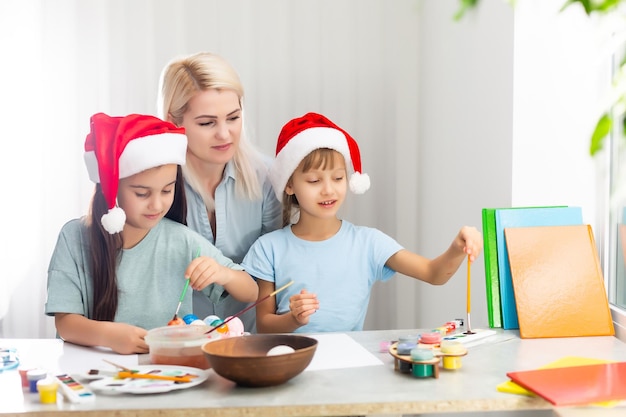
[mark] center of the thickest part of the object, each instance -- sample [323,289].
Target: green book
[490,255]
[493,282]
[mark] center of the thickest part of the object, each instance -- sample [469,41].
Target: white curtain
[63,60]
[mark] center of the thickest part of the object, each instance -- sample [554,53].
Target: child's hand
[126,339]
[204,271]
[303,305]
[470,241]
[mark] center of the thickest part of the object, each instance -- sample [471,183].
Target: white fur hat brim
[299,147]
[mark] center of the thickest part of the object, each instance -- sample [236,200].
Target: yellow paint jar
[452,352]
[47,388]
[451,362]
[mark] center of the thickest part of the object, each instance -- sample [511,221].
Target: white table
[355,390]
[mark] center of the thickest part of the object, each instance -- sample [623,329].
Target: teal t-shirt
[150,276]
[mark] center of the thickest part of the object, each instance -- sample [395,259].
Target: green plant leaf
[607,5]
[603,127]
[464,6]
[591,6]
[586,4]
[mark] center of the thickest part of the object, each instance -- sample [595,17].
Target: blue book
[524,217]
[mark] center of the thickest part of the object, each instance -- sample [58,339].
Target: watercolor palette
[470,339]
[151,386]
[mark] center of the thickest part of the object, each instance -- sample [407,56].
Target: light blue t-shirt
[239,222]
[340,271]
[150,276]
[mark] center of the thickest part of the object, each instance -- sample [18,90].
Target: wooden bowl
[244,359]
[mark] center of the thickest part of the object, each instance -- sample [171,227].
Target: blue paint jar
[33,376]
[404,348]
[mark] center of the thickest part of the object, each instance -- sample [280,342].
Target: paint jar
[422,370]
[33,376]
[47,388]
[452,352]
[404,348]
[430,338]
[411,338]
[23,377]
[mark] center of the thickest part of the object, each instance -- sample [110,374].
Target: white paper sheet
[338,350]
[80,359]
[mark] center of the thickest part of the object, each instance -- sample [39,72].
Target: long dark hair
[106,249]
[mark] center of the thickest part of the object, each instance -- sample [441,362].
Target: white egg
[280,350]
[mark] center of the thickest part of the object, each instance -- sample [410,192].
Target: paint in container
[452,352]
[422,370]
[47,388]
[404,348]
[33,376]
[23,377]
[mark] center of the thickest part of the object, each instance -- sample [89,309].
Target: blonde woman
[230,200]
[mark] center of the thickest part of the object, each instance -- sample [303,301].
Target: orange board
[513,388]
[557,281]
[576,385]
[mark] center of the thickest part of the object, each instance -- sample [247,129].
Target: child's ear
[289,187]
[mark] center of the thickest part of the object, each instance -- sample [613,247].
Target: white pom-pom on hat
[301,136]
[119,147]
[359,183]
[113,221]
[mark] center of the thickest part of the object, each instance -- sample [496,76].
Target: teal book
[524,217]
[490,256]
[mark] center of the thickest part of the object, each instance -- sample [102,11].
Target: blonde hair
[180,81]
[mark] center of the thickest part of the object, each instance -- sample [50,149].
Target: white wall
[465,154]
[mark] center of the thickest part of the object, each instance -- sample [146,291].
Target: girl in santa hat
[120,270]
[333,263]
[230,200]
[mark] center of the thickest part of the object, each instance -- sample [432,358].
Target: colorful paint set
[421,354]
[73,390]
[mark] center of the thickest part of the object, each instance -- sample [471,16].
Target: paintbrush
[251,306]
[469,296]
[182,296]
[101,372]
[123,368]
[183,378]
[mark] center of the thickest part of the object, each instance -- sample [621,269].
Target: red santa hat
[118,147]
[300,136]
